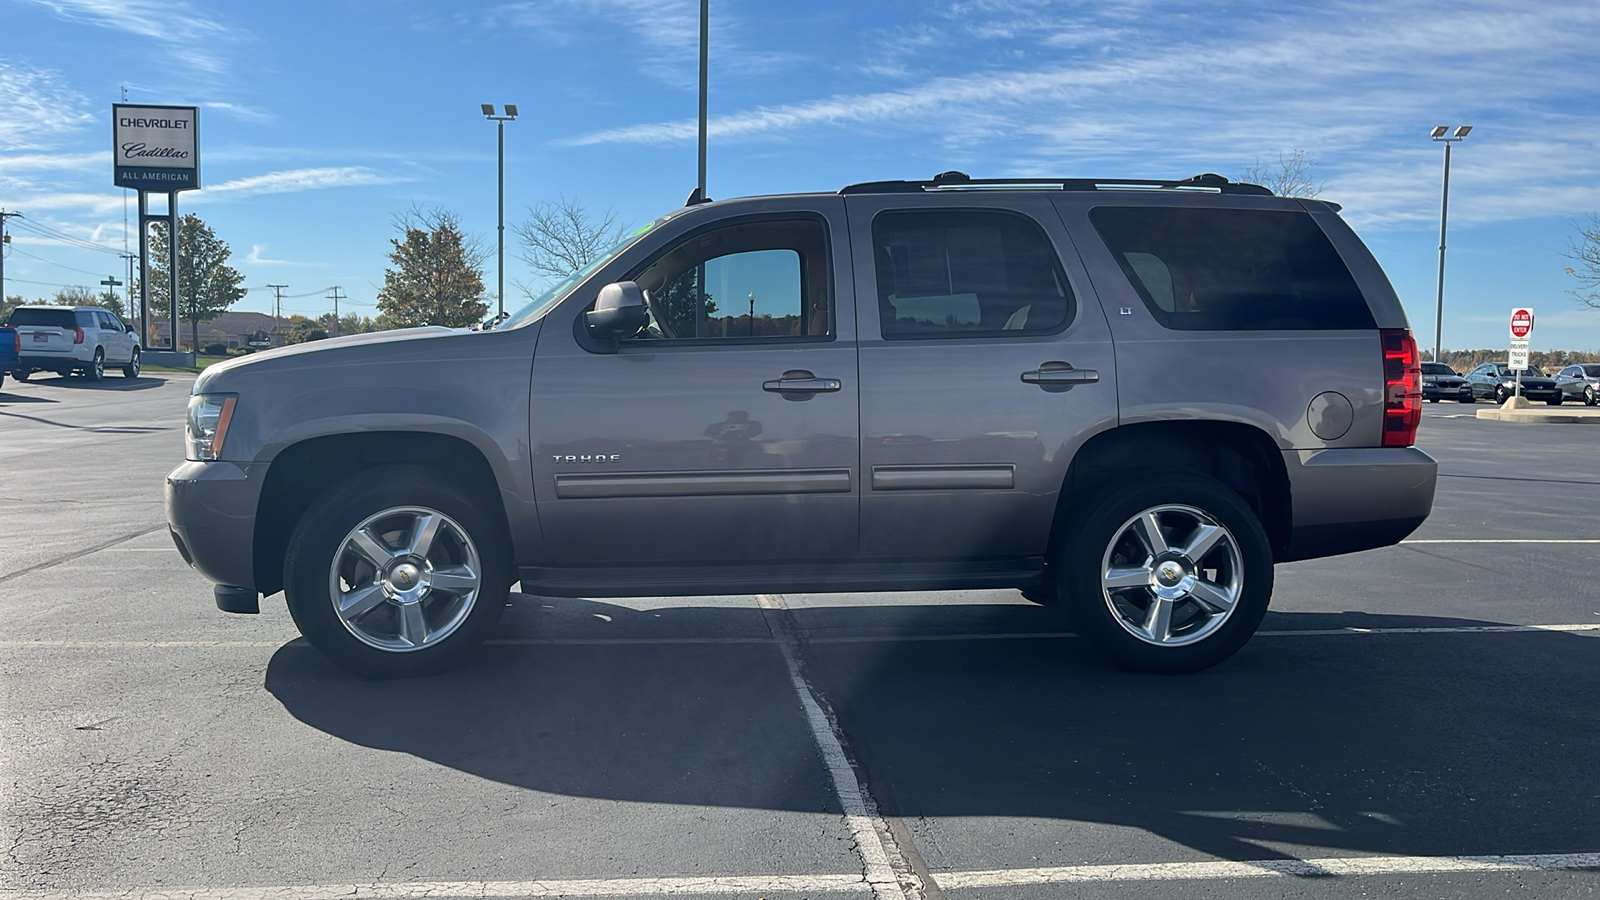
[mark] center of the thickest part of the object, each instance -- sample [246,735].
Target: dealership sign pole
[156,150]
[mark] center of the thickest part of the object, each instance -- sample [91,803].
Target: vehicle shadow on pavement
[109,383]
[1431,744]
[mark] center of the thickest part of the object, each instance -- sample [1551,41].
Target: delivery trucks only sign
[155,148]
[1521,330]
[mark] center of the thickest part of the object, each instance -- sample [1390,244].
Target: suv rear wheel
[97,366]
[131,370]
[396,573]
[1169,576]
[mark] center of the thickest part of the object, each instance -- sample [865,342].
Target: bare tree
[560,237]
[1585,250]
[1291,177]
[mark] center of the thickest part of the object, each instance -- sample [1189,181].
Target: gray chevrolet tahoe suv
[1129,397]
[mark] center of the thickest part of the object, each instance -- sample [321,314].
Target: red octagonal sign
[1521,322]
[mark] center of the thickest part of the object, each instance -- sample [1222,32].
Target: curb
[1523,415]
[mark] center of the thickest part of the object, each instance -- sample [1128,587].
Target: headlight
[209,415]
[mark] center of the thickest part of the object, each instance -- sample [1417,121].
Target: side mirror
[618,312]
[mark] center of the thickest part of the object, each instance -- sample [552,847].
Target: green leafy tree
[207,285]
[436,274]
[303,330]
[78,295]
[10,303]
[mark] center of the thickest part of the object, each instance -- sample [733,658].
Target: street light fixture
[510,115]
[1441,133]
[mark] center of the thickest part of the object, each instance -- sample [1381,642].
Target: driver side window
[762,279]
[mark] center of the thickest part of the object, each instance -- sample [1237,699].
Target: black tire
[1501,395]
[1433,399]
[21,374]
[323,530]
[1554,401]
[97,366]
[1589,397]
[1098,537]
[131,370]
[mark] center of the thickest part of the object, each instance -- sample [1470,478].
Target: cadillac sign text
[155,148]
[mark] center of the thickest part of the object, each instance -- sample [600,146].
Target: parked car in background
[1580,382]
[9,345]
[1440,382]
[935,385]
[68,339]
[1498,381]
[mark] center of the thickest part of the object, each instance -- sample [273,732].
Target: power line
[44,231]
[54,263]
[335,298]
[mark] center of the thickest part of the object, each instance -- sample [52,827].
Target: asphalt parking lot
[1417,721]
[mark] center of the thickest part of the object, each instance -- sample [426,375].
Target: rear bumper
[1350,500]
[49,360]
[211,509]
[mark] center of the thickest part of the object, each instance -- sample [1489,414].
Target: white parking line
[753,885]
[871,833]
[1505,541]
[1213,870]
[1341,866]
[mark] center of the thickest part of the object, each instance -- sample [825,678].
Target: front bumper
[1433,391]
[211,511]
[1357,499]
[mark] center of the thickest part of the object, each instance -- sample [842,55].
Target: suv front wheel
[1169,576]
[396,573]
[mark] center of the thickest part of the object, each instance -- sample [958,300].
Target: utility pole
[4,240]
[336,298]
[130,257]
[277,304]
[111,284]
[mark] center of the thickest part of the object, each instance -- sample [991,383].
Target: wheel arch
[302,471]
[1243,457]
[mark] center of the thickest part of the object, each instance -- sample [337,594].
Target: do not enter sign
[1521,322]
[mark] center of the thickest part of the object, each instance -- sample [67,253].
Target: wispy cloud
[1123,89]
[293,180]
[190,33]
[255,257]
[253,115]
[37,109]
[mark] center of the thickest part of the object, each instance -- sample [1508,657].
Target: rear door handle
[1060,374]
[801,381]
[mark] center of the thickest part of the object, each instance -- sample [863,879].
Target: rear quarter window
[1202,269]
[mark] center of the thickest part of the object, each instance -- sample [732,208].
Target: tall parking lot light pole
[511,115]
[1442,134]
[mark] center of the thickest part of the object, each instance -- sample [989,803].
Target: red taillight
[77,335]
[1402,387]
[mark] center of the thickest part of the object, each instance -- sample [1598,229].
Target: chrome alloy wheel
[405,579]
[1172,575]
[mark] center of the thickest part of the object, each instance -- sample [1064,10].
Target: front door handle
[799,383]
[1056,374]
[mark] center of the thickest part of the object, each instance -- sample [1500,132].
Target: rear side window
[54,318]
[966,273]
[1233,269]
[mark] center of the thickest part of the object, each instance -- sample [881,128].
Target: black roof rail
[1208,182]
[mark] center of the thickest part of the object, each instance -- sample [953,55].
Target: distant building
[235,330]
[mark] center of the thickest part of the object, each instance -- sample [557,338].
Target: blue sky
[320,121]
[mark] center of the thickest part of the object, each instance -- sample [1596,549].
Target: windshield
[1437,369]
[553,295]
[1508,372]
[1591,371]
